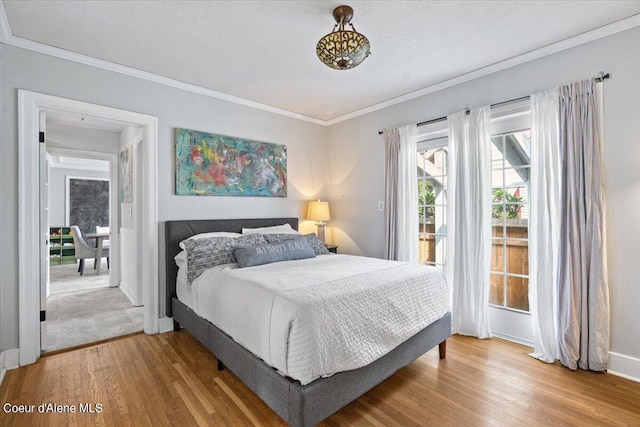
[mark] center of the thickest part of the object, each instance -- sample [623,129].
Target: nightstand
[332,248]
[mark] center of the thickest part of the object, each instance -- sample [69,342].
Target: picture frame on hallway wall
[210,164]
[126,175]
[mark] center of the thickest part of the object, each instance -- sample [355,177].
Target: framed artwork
[217,165]
[86,202]
[126,175]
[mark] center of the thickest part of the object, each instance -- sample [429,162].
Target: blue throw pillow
[287,250]
[315,243]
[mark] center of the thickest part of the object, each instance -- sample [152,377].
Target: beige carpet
[65,278]
[84,309]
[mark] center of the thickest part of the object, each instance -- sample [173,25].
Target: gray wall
[356,159]
[174,108]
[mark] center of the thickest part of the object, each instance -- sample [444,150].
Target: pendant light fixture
[343,49]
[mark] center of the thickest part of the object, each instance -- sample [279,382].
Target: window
[432,188]
[510,159]
[509,276]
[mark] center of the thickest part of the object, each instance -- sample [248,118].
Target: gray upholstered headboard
[177,231]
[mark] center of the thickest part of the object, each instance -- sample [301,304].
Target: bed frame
[299,405]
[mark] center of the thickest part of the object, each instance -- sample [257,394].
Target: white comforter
[315,317]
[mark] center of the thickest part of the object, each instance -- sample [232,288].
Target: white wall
[356,159]
[60,136]
[174,108]
[130,276]
[129,137]
[131,221]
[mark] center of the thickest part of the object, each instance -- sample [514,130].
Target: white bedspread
[315,317]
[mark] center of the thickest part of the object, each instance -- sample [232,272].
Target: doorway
[32,240]
[82,305]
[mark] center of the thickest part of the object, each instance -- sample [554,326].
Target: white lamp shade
[319,211]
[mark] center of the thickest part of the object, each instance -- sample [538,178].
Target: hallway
[84,309]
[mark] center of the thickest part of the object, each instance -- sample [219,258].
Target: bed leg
[176,326]
[220,365]
[442,348]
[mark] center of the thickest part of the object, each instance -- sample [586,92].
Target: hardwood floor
[170,379]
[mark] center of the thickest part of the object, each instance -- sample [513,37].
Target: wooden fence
[427,244]
[513,253]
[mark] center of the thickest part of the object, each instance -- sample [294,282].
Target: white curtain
[469,219]
[568,291]
[401,194]
[544,220]
[583,292]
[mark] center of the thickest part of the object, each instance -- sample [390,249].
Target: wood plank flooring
[170,379]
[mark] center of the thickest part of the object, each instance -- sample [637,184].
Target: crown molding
[5,29]
[7,37]
[155,78]
[586,37]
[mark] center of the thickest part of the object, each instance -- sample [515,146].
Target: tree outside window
[512,204]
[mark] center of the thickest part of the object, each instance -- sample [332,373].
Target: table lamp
[319,211]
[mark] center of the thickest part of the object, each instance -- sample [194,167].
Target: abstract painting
[126,175]
[218,165]
[88,203]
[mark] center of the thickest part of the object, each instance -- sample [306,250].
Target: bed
[298,404]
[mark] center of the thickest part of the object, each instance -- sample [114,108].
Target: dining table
[100,238]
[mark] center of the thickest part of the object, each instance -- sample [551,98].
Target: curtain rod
[601,77]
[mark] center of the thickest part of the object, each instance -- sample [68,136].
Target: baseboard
[512,339]
[9,359]
[624,366]
[128,292]
[165,324]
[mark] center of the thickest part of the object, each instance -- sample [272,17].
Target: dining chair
[83,250]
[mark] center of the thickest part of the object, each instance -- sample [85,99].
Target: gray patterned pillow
[286,250]
[203,254]
[318,247]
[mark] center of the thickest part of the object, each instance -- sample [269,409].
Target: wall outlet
[380,205]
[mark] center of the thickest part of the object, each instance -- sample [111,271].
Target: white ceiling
[264,51]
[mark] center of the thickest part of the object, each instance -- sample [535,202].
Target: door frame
[30,104]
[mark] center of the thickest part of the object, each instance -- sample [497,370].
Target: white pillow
[207,235]
[181,259]
[276,229]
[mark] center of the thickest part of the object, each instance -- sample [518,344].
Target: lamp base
[321,226]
